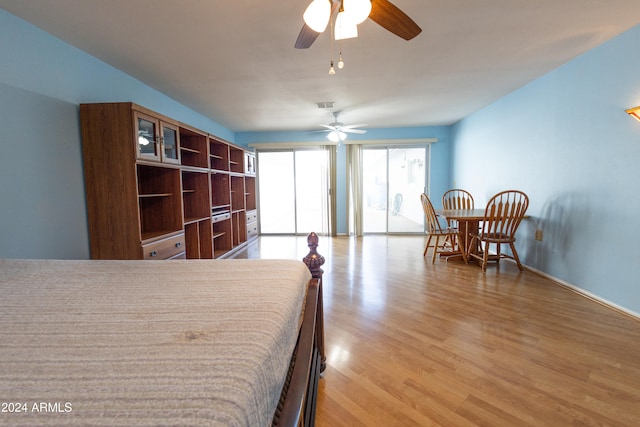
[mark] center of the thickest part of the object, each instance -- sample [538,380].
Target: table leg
[470,227]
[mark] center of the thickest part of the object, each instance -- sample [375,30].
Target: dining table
[468,222]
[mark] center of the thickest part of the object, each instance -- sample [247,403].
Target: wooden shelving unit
[160,189]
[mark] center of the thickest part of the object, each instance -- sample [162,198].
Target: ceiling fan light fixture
[317,15]
[359,10]
[345,28]
[336,136]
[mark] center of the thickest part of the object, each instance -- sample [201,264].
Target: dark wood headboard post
[314,261]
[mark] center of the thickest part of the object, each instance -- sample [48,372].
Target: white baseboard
[584,293]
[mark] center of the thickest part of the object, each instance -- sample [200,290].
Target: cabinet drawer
[220,217]
[165,248]
[252,216]
[252,229]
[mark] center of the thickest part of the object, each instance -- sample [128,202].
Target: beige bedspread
[129,343]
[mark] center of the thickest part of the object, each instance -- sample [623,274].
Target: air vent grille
[325,105]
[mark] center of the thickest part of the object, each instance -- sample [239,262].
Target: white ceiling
[234,60]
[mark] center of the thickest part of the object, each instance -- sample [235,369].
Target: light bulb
[345,27]
[332,70]
[317,15]
[358,10]
[336,136]
[340,62]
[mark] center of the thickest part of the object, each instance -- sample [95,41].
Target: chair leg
[485,257]
[426,248]
[435,250]
[452,241]
[515,256]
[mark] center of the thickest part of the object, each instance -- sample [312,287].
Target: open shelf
[195,195]
[159,201]
[198,238]
[220,189]
[193,148]
[221,236]
[249,193]
[236,160]
[218,155]
[237,193]
[239,228]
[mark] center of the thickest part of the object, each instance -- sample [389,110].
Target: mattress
[184,342]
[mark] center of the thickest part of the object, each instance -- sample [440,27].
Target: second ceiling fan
[382,12]
[337,131]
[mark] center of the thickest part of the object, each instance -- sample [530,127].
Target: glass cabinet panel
[170,144]
[157,140]
[147,143]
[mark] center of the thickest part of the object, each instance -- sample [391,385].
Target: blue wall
[40,63]
[566,140]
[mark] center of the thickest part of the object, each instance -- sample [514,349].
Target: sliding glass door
[293,191]
[392,180]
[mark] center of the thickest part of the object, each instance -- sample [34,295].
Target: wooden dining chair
[456,198]
[502,216]
[434,229]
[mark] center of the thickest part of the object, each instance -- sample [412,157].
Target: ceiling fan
[338,130]
[382,12]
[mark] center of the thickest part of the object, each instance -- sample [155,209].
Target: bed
[181,342]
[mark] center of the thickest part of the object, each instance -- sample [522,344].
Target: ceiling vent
[325,105]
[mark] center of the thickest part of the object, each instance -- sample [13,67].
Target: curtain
[354,189]
[331,199]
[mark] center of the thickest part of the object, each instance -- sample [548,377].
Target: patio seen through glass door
[392,180]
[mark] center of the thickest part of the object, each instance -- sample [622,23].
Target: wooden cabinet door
[156,140]
[147,137]
[170,142]
[249,163]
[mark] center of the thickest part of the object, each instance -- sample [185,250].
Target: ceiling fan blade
[361,125]
[353,130]
[306,37]
[389,17]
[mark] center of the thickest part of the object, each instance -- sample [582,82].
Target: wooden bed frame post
[314,261]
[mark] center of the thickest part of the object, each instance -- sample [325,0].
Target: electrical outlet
[539,235]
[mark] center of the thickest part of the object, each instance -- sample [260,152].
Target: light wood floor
[411,343]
